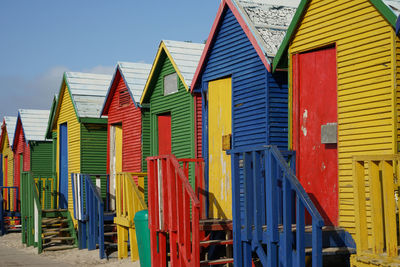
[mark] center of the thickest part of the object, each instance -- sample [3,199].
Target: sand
[73,257]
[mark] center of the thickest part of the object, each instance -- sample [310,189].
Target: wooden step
[110,233]
[54,248]
[55,210]
[56,232]
[216,262]
[51,230]
[215,225]
[215,243]
[333,251]
[61,238]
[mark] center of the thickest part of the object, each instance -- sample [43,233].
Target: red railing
[174,210]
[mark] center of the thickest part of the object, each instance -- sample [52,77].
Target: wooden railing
[174,210]
[129,200]
[376,186]
[268,202]
[31,212]
[89,211]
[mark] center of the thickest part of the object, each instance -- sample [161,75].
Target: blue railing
[89,211]
[269,210]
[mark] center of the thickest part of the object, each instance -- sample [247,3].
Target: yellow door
[115,159]
[219,125]
[118,148]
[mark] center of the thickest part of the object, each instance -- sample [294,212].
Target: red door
[314,105]
[164,134]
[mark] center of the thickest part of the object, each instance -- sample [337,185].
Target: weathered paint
[314,108]
[259,98]
[67,115]
[179,105]
[366,66]
[115,158]
[219,125]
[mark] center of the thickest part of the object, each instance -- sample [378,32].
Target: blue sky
[41,39]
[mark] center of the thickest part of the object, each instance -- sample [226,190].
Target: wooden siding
[131,119]
[41,157]
[145,137]
[94,152]
[67,115]
[9,156]
[259,98]
[397,42]
[256,92]
[198,124]
[181,107]
[365,71]
[21,147]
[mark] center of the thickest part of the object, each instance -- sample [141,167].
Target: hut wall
[67,115]
[123,111]
[365,73]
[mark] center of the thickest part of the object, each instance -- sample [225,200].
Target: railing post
[237,244]
[316,244]
[390,208]
[376,206]
[360,209]
[271,189]
[300,240]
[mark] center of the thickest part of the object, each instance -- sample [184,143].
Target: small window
[124,98]
[170,84]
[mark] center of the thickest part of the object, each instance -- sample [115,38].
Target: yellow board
[67,114]
[9,157]
[366,69]
[219,125]
[118,148]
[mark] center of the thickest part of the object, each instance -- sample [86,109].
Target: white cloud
[17,92]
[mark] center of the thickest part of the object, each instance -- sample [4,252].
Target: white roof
[186,57]
[268,20]
[394,5]
[88,92]
[34,123]
[135,76]
[10,121]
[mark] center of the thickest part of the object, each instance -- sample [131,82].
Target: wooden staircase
[110,233]
[58,231]
[177,217]
[216,247]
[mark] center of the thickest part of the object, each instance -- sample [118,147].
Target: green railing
[36,194]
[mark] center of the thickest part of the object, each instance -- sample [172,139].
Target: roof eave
[247,30]
[283,49]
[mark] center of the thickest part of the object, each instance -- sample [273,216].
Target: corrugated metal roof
[34,123]
[135,76]
[88,92]
[186,57]
[10,121]
[269,20]
[394,5]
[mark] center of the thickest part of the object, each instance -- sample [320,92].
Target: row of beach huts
[275,143]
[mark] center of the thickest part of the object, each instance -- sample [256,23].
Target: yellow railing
[376,212]
[129,198]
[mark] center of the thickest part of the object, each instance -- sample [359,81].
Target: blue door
[63,180]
